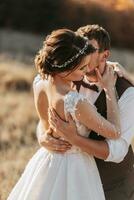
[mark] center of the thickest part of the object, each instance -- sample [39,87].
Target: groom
[114,158]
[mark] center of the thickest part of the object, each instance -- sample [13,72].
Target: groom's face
[97,61]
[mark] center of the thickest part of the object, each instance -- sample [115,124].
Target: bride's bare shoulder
[39,85]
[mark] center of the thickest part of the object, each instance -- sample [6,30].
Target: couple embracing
[88,130]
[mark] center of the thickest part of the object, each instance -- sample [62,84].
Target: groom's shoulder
[123,83]
[124,86]
[128,87]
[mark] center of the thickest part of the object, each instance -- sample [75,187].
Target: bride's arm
[88,115]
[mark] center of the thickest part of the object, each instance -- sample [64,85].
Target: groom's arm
[109,150]
[68,129]
[115,150]
[98,149]
[119,148]
[46,140]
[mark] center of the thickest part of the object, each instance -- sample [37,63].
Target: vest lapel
[102,109]
[113,173]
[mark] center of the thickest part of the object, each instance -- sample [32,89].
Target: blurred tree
[42,16]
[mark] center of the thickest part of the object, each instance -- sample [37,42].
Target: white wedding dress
[69,176]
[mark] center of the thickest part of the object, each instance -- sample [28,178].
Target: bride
[72,175]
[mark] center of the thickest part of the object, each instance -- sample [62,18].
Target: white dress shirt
[118,148]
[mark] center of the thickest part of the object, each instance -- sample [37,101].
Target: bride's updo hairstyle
[62,51]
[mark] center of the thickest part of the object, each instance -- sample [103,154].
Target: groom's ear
[106,55]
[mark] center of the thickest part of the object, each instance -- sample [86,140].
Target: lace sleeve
[71,100]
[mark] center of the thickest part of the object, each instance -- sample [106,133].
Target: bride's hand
[107,81]
[66,129]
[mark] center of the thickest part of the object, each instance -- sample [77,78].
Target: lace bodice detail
[70,102]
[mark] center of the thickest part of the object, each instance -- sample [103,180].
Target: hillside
[18,118]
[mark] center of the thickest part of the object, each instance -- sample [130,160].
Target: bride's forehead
[84,63]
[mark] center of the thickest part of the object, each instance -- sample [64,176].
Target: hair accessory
[81,52]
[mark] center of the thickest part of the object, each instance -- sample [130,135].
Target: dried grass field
[18,118]
[18,121]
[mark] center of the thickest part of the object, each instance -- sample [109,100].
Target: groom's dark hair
[98,33]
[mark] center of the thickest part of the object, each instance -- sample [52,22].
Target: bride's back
[47,97]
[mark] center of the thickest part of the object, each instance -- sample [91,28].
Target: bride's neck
[60,84]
